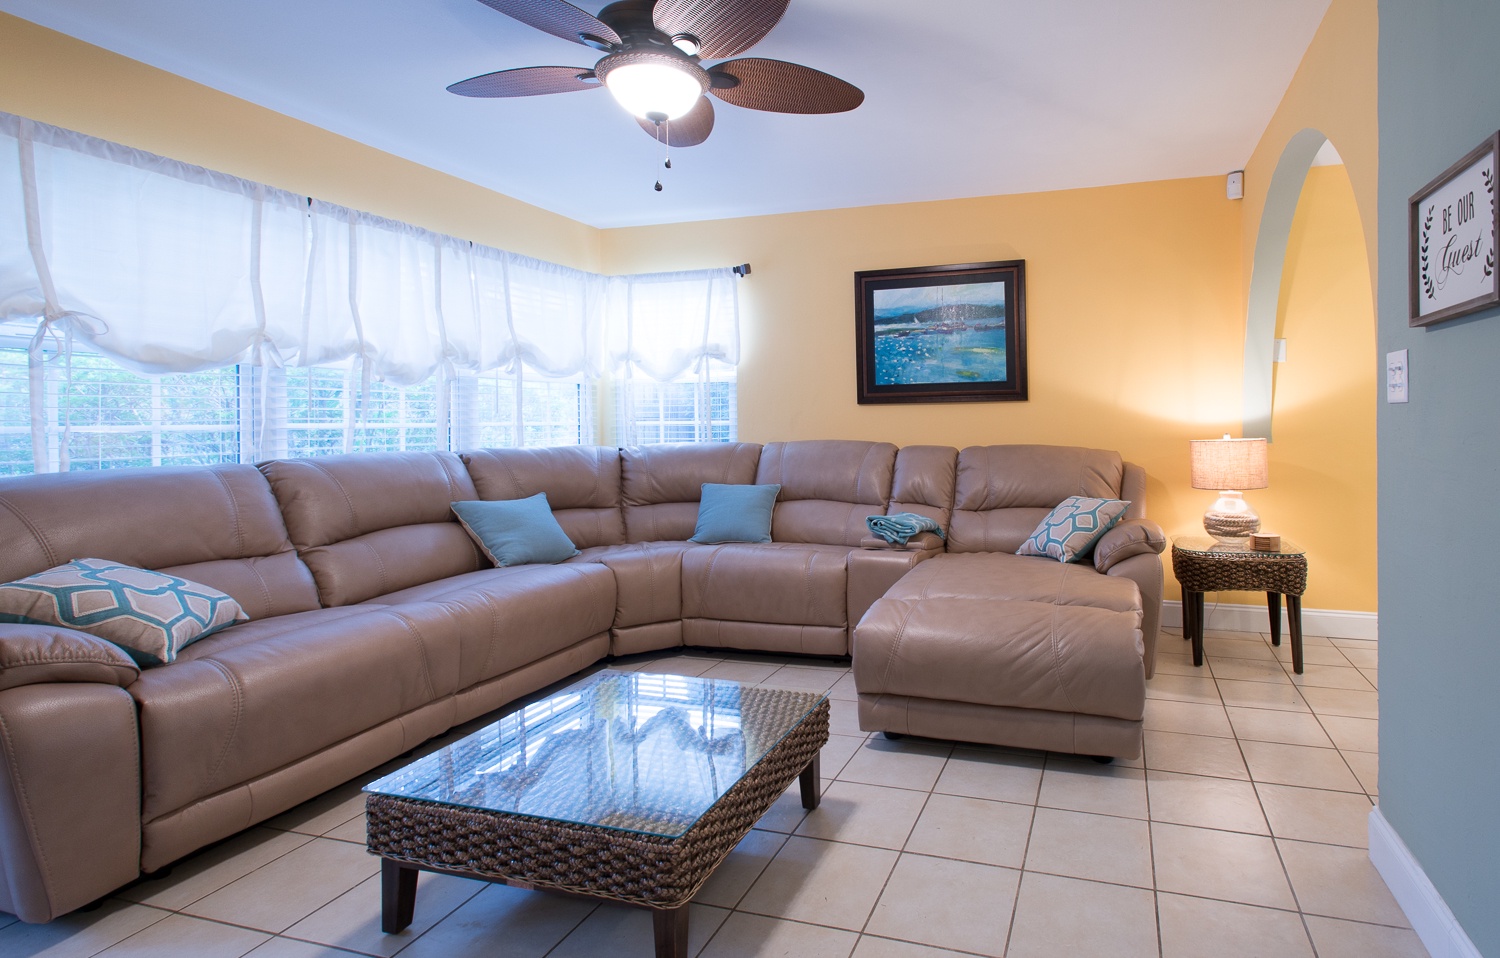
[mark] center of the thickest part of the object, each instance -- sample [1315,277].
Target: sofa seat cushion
[507,618]
[785,583]
[256,697]
[1018,633]
[648,578]
[998,575]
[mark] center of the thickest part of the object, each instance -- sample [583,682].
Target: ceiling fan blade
[723,27]
[780,87]
[688,130]
[557,17]
[527,81]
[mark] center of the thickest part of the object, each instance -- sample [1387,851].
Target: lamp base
[1230,519]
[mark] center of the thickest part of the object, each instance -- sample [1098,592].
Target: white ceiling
[963,97]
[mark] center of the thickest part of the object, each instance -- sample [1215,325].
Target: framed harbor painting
[941,333]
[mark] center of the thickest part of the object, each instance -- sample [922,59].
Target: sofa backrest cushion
[371,523]
[924,482]
[828,488]
[582,484]
[218,525]
[661,484]
[1003,492]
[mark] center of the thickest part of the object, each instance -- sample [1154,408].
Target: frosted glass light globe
[654,88]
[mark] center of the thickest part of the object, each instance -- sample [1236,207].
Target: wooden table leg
[671,926]
[398,895]
[1294,623]
[1196,598]
[1273,603]
[811,781]
[1187,616]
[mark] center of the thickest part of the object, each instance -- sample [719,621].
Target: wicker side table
[1202,564]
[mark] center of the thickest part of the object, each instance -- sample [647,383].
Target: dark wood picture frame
[941,333]
[1444,213]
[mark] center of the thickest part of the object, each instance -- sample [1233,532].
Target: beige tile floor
[1240,832]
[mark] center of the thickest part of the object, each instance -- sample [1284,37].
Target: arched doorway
[1310,285]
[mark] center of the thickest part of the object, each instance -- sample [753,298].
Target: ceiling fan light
[655,86]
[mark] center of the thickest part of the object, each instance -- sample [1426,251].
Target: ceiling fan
[652,64]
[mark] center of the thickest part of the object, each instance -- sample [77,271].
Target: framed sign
[1454,222]
[941,333]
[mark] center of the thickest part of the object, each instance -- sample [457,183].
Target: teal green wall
[1439,481]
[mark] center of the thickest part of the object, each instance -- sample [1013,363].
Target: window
[319,411]
[96,414]
[552,412]
[99,415]
[15,411]
[691,409]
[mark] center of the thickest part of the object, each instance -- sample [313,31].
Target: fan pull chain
[658,139]
[664,137]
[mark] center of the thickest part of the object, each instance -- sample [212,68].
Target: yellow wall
[56,79]
[1133,303]
[1323,456]
[1135,325]
[1323,463]
[1322,490]
[1334,92]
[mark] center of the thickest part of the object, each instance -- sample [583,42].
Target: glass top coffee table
[625,786]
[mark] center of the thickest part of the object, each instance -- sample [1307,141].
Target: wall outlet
[1396,376]
[1279,354]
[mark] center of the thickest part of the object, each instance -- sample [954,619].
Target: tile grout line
[1151,840]
[1286,872]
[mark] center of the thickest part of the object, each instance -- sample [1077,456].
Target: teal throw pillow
[151,615]
[1072,527]
[515,531]
[735,513]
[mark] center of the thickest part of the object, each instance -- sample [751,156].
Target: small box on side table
[1202,564]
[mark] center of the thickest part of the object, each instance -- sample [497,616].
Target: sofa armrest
[874,570]
[1132,537]
[37,654]
[70,796]
[1144,569]
[921,542]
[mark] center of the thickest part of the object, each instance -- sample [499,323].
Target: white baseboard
[1429,915]
[1333,623]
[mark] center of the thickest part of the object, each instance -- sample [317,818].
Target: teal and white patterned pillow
[150,615]
[1072,527]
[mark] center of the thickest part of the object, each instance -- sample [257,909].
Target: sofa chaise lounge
[376,623]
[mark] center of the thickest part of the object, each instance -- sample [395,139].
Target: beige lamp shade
[1226,463]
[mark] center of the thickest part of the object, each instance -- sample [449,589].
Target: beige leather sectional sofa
[377,624]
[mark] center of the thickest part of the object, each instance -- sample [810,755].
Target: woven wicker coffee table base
[1276,575]
[652,871]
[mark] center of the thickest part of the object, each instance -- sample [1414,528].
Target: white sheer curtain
[663,325]
[670,328]
[165,267]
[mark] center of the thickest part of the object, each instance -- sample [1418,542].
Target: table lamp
[1229,466]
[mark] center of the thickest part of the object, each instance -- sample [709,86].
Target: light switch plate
[1396,376]
[1280,352]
